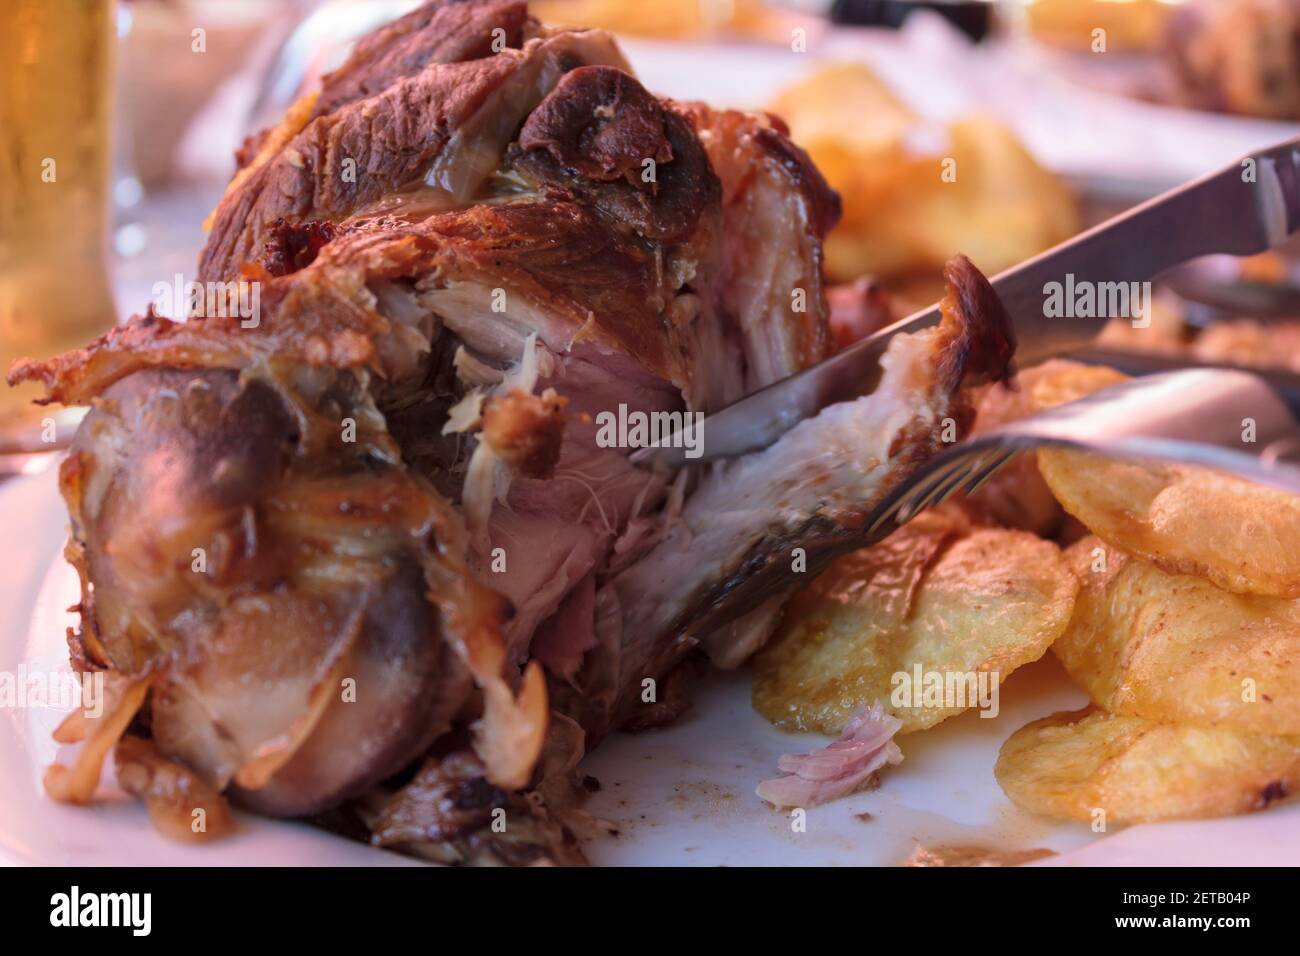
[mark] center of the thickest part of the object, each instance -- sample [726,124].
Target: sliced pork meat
[840,768]
[415,121]
[776,209]
[733,547]
[370,552]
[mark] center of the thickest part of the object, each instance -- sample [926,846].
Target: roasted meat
[365,552]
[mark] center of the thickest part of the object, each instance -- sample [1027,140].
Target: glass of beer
[56,87]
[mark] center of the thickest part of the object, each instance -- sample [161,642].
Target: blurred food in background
[56,89]
[1229,56]
[1167,333]
[1238,56]
[1185,329]
[1249,342]
[1130,25]
[914,194]
[168,73]
[666,19]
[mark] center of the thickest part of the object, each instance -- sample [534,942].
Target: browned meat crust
[385,494]
[601,124]
[594,285]
[777,208]
[444,32]
[396,115]
[601,137]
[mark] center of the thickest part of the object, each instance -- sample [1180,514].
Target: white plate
[1105,142]
[680,795]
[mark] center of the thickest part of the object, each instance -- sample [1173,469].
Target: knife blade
[1241,209]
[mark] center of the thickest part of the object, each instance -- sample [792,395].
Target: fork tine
[955,480]
[966,471]
[907,506]
[933,487]
[988,468]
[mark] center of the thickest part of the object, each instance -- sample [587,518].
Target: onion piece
[510,734]
[466,414]
[171,793]
[123,698]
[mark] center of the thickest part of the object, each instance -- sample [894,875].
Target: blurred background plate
[1104,142]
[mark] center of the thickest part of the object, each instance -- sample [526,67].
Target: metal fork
[1195,416]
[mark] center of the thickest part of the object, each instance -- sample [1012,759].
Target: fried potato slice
[1062,381]
[1016,496]
[915,193]
[1002,207]
[937,594]
[1175,647]
[817,106]
[1184,519]
[1072,764]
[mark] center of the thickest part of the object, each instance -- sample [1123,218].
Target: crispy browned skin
[526,430]
[274,503]
[557,254]
[640,162]
[451,65]
[209,512]
[629,131]
[443,32]
[770,189]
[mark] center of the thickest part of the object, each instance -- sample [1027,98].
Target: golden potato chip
[1175,647]
[979,193]
[844,103]
[928,622]
[907,208]
[1165,330]
[1016,496]
[1184,519]
[1075,765]
[1064,381]
[1013,207]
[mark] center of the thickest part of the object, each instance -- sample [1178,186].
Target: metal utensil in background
[1214,289]
[1284,383]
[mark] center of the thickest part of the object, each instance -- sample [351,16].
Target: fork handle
[1286,385]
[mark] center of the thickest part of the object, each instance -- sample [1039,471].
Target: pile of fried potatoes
[1170,594]
[913,194]
[942,593]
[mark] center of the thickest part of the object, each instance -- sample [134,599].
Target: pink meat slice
[840,768]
